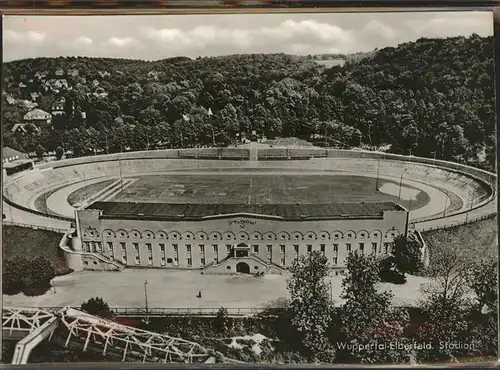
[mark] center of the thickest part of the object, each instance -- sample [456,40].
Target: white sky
[162,36]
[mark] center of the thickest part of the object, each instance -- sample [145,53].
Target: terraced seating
[272,153]
[22,190]
[235,153]
[306,153]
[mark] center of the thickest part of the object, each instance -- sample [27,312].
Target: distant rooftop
[286,212]
[37,114]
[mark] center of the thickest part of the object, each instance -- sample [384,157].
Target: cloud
[24,37]
[120,42]
[379,29]
[83,41]
[157,37]
[462,25]
[302,35]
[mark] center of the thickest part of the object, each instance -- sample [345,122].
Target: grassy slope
[30,243]
[478,239]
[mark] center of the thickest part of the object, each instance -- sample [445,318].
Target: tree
[388,272]
[483,280]
[222,321]
[97,307]
[367,318]
[39,150]
[311,305]
[59,152]
[407,255]
[14,272]
[447,304]
[20,274]
[41,272]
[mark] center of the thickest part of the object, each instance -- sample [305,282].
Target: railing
[34,227]
[174,311]
[458,223]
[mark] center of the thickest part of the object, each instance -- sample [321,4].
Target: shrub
[96,306]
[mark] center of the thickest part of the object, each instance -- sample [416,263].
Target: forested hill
[432,95]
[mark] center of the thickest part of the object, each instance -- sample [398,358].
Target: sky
[153,37]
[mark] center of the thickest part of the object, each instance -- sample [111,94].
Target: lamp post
[434,154]
[445,203]
[401,183]
[121,177]
[146,320]
[469,205]
[213,135]
[378,173]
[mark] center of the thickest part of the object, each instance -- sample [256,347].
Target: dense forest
[432,97]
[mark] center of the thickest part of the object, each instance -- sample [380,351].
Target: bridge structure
[77,329]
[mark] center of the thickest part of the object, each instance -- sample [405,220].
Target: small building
[24,128]
[14,161]
[100,93]
[37,116]
[58,107]
[59,72]
[73,72]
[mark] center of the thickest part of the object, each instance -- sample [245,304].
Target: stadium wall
[23,190]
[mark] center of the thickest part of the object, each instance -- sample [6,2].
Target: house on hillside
[21,129]
[28,104]
[58,107]
[59,84]
[10,99]
[153,75]
[37,116]
[22,85]
[95,83]
[73,72]
[59,72]
[104,74]
[100,93]
[34,96]
[15,161]
[9,154]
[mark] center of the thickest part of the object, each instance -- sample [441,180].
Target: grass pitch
[260,189]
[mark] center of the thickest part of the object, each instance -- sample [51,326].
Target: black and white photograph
[280,188]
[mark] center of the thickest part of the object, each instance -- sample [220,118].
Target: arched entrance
[243,268]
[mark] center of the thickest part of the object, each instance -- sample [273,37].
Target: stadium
[250,209]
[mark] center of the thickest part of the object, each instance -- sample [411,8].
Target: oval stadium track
[457,193]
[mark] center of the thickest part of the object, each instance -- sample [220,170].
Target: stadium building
[230,238]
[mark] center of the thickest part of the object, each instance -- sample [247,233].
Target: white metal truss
[130,343]
[21,319]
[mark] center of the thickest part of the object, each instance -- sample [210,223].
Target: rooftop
[287,212]
[8,152]
[37,114]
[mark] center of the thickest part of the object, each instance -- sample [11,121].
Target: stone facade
[206,243]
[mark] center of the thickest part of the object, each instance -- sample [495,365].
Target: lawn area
[259,188]
[30,243]
[478,239]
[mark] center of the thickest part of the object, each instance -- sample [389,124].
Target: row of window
[241,235]
[96,247]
